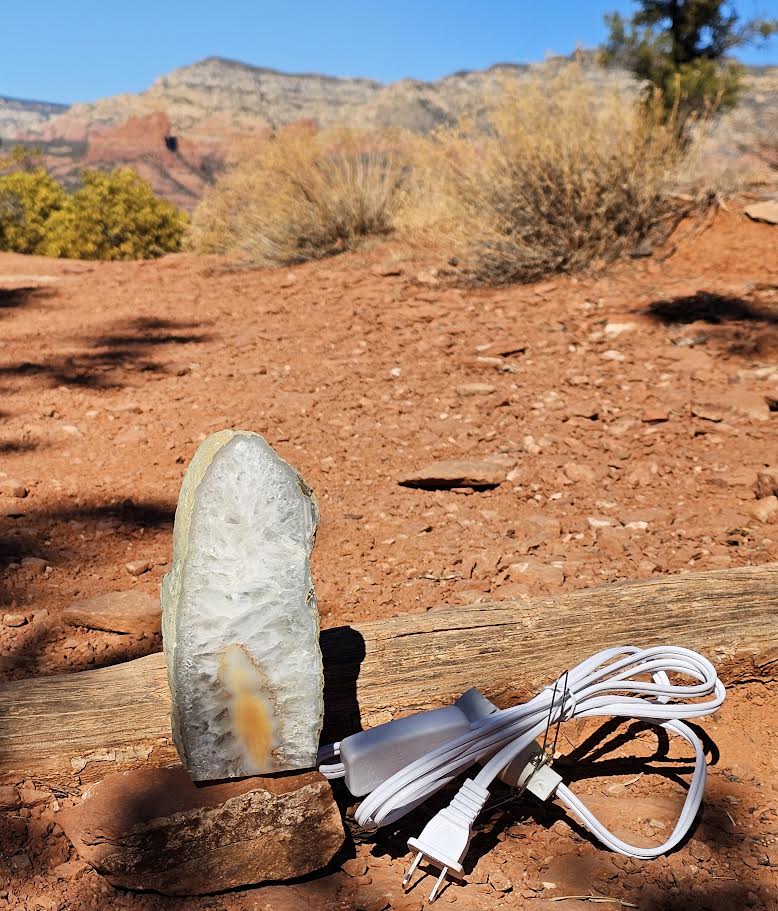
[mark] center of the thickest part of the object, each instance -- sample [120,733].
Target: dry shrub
[765,145]
[300,195]
[568,172]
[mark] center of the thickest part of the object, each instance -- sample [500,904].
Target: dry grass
[301,195]
[766,147]
[567,173]
[560,173]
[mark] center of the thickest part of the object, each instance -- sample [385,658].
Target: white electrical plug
[446,837]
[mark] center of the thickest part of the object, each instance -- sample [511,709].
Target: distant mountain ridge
[179,131]
[21,115]
[245,97]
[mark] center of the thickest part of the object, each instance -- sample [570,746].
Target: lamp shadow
[343,650]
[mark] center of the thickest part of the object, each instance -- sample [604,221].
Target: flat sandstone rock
[116,612]
[155,829]
[475,473]
[766,211]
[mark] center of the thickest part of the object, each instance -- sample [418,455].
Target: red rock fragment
[116,612]
[138,567]
[766,484]
[155,829]
[447,474]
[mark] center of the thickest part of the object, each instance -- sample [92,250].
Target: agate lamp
[239,616]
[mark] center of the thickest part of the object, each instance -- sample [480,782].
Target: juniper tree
[683,48]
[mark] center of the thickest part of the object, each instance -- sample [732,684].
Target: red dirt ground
[646,396]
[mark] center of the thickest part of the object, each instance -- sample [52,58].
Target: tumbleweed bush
[562,171]
[301,194]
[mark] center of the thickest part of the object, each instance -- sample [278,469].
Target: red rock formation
[178,167]
[174,165]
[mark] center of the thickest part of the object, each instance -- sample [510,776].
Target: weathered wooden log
[83,726]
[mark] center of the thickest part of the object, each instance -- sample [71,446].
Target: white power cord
[611,683]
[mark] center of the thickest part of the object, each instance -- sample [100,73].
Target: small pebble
[500,881]
[9,797]
[595,522]
[138,567]
[355,866]
[14,619]
[36,564]
[11,487]
[20,862]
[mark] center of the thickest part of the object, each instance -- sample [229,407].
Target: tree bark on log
[79,727]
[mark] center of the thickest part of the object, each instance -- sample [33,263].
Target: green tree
[683,47]
[21,158]
[114,216]
[28,199]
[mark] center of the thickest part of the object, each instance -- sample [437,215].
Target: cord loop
[611,683]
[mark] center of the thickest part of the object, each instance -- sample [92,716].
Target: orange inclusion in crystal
[250,711]
[254,726]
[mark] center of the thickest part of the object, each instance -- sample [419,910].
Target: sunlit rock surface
[239,616]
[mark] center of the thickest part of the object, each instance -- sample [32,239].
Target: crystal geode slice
[239,618]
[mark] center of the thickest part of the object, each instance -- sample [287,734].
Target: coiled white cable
[608,684]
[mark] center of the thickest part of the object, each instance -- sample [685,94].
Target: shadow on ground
[15,298]
[710,307]
[10,447]
[65,537]
[30,532]
[109,358]
[742,326]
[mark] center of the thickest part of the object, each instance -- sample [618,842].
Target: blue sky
[86,49]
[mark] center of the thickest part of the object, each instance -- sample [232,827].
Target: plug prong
[436,888]
[412,869]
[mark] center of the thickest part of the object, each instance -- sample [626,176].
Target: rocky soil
[612,427]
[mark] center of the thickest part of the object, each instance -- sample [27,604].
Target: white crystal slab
[239,617]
